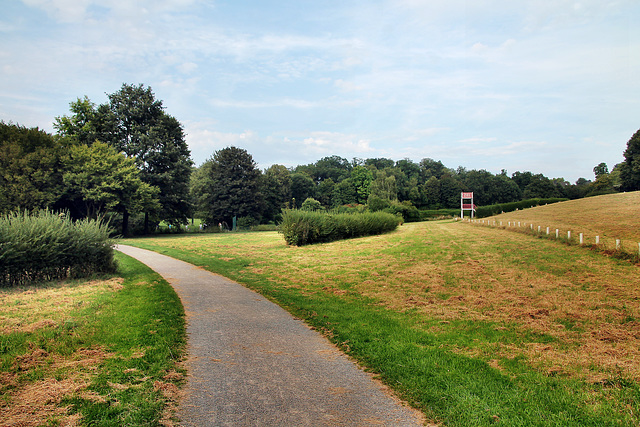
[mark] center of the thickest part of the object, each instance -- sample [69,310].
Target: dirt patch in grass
[27,403]
[32,402]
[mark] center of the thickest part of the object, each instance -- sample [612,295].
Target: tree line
[127,159]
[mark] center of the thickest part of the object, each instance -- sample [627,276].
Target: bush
[46,246]
[485,211]
[303,227]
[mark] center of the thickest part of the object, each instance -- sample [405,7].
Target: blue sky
[551,87]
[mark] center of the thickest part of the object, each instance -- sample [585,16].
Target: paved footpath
[252,364]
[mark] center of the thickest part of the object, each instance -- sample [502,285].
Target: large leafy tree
[135,123]
[229,186]
[98,179]
[30,168]
[630,168]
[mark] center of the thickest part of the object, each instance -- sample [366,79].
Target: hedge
[306,227]
[45,246]
[485,211]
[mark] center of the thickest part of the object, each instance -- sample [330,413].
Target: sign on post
[466,203]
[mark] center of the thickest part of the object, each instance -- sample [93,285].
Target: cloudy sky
[545,86]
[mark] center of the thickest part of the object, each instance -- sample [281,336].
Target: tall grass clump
[306,227]
[45,246]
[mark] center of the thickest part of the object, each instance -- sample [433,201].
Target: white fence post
[557,231]
[597,240]
[617,244]
[581,238]
[569,235]
[538,229]
[547,231]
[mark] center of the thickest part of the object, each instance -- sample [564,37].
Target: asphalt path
[253,364]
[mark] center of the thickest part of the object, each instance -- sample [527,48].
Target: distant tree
[630,168]
[335,167]
[30,168]
[450,189]
[379,163]
[229,186]
[409,168]
[324,192]
[430,167]
[302,187]
[540,187]
[431,191]
[276,188]
[600,170]
[522,179]
[361,177]
[344,193]
[98,179]
[311,204]
[384,185]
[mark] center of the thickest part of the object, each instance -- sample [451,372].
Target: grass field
[104,352]
[613,216]
[468,324]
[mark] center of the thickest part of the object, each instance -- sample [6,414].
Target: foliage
[135,123]
[630,168]
[30,168]
[229,185]
[302,187]
[485,211]
[311,204]
[46,246]
[276,188]
[98,179]
[306,227]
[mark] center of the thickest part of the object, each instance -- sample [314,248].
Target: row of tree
[129,157]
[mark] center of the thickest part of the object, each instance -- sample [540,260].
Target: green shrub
[304,227]
[311,204]
[485,211]
[45,246]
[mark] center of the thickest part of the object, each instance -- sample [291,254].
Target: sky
[544,86]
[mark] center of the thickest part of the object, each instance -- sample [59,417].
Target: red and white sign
[467,195]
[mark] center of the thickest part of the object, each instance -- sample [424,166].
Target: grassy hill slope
[614,216]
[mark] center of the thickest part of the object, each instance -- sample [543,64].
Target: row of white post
[581,235]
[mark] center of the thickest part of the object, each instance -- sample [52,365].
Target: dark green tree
[630,168]
[344,193]
[276,188]
[30,168]
[135,123]
[302,187]
[229,187]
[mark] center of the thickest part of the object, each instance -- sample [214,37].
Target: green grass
[119,346]
[470,325]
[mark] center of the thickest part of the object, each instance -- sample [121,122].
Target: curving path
[252,364]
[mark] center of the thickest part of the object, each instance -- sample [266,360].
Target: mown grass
[611,216]
[470,325]
[104,352]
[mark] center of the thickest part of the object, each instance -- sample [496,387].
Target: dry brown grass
[33,403]
[612,216]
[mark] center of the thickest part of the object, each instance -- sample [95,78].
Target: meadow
[104,351]
[472,325]
[612,216]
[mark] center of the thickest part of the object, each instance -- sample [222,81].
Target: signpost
[466,203]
